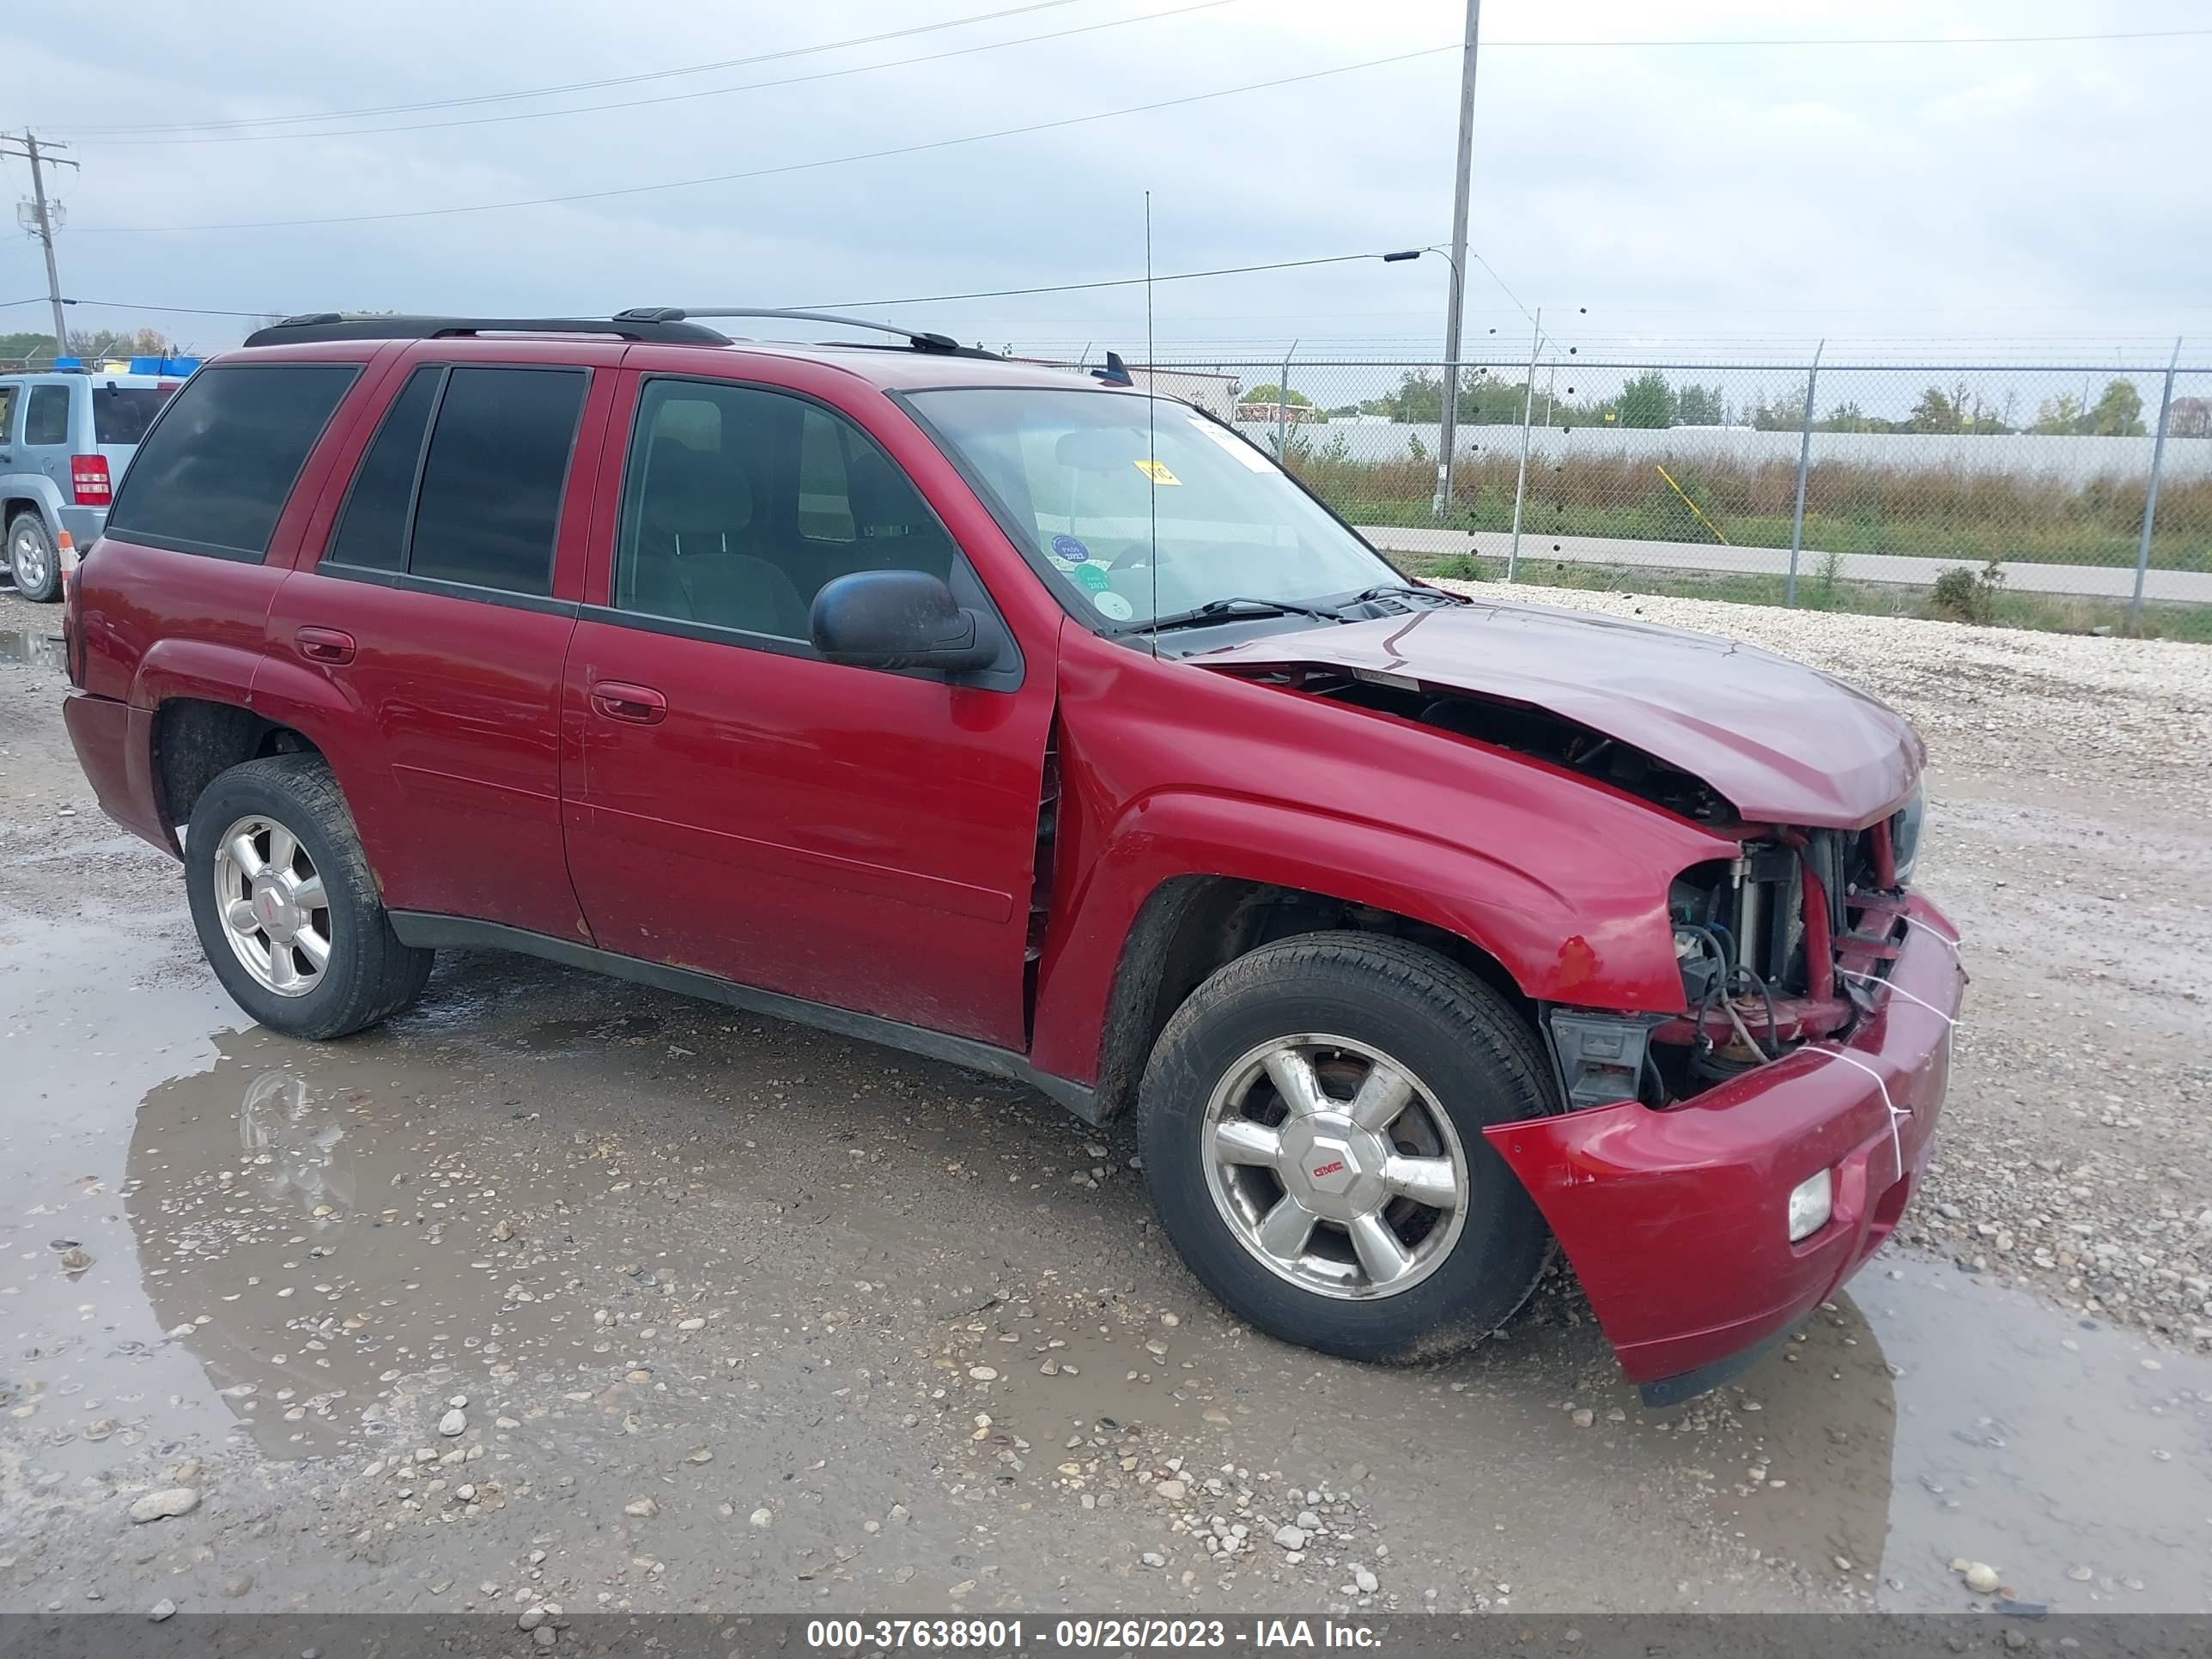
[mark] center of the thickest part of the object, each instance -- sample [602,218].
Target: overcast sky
[1647,196]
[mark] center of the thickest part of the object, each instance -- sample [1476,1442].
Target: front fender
[1605,944]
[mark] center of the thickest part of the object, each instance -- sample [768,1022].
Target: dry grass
[1850,507]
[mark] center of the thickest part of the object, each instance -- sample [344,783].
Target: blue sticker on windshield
[1070,549]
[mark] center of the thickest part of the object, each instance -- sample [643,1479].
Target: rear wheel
[286,906]
[1312,1125]
[32,560]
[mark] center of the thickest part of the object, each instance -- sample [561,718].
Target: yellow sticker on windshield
[1156,471]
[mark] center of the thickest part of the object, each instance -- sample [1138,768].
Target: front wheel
[1311,1122]
[285,908]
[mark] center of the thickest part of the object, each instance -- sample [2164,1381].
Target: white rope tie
[1899,990]
[1896,1144]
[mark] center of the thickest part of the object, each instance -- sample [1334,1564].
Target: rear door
[437,611]
[47,429]
[737,805]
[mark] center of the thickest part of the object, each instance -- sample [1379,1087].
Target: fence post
[2150,497]
[1283,410]
[1804,455]
[1521,480]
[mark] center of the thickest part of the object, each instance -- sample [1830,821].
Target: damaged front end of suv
[1732,1147]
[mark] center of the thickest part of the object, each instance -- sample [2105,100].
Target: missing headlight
[1601,1056]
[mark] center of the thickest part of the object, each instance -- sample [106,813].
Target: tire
[33,562]
[1468,1059]
[268,964]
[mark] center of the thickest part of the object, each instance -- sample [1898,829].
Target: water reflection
[298,1150]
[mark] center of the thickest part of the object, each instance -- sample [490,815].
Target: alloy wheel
[1334,1167]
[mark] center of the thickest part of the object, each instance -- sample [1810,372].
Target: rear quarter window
[47,420]
[213,475]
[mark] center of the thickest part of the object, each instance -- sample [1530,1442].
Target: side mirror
[898,619]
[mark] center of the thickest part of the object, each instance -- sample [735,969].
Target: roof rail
[920,339]
[345,325]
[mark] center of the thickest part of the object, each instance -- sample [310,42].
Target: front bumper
[1675,1220]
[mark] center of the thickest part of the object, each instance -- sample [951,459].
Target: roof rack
[920,339]
[345,325]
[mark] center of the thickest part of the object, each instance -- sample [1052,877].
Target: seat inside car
[691,561]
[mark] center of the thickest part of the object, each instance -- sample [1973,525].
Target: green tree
[2055,416]
[1271,393]
[1701,406]
[1784,414]
[1939,411]
[1849,417]
[2117,413]
[1646,401]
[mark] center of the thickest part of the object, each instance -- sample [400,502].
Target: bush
[1459,567]
[1965,595]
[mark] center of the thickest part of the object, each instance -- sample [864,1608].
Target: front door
[739,806]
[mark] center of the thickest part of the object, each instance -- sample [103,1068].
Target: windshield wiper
[1384,590]
[1214,609]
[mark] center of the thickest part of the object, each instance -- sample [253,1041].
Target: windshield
[121,414]
[1078,477]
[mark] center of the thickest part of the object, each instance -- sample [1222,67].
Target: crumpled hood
[1783,743]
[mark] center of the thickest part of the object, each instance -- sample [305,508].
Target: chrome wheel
[274,910]
[27,554]
[1334,1167]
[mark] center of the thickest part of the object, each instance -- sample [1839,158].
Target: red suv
[1024,720]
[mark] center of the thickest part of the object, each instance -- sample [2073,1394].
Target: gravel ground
[2070,786]
[748,1316]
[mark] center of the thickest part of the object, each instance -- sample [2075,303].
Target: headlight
[1905,834]
[1811,1202]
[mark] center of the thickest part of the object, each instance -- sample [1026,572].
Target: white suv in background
[64,441]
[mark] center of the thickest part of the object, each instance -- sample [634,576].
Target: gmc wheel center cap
[1333,1166]
[274,912]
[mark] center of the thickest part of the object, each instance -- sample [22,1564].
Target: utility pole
[42,156]
[1449,436]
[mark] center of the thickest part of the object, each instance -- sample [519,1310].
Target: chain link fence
[2029,479]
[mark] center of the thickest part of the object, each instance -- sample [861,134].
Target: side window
[47,420]
[379,507]
[7,412]
[489,502]
[214,471]
[740,503]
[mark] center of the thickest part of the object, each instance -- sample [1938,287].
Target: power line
[1073,288]
[674,97]
[765,173]
[583,86]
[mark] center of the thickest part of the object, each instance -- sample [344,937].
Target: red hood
[1783,743]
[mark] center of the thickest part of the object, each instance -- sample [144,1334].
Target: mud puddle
[638,1237]
[2070,1456]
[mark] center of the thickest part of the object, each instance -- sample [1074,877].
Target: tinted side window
[373,529]
[46,420]
[7,412]
[740,503]
[490,501]
[213,473]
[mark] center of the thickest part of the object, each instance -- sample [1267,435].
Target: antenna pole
[1152,438]
[39,156]
[1448,435]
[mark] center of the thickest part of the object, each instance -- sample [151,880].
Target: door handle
[641,705]
[324,645]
